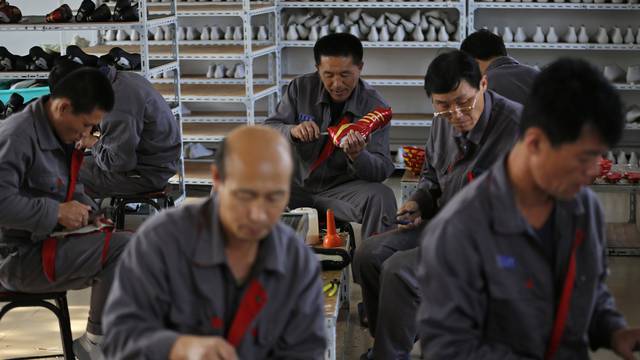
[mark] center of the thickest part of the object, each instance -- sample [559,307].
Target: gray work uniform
[34,176]
[174,280]
[139,146]
[509,78]
[386,263]
[490,291]
[352,189]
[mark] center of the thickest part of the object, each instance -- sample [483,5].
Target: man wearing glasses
[472,128]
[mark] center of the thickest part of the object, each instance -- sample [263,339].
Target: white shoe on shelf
[158,35]
[191,33]
[121,35]
[228,73]
[443,36]
[538,37]
[335,21]
[180,35]
[368,19]
[303,32]
[214,33]
[415,17]
[380,21]
[400,34]
[364,28]
[583,36]
[134,35]
[417,34]
[238,73]
[408,25]
[633,114]
[313,34]
[613,73]
[628,36]
[210,71]
[384,34]
[602,37]
[237,33]
[110,35]
[220,71]
[507,35]
[495,31]
[391,26]
[520,35]
[262,33]
[633,74]
[205,34]
[393,17]
[571,36]
[324,31]
[355,31]
[552,37]
[228,33]
[292,33]
[616,37]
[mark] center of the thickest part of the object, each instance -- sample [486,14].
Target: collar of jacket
[476,134]
[507,218]
[210,248]
[44,129]
[501,61]
[351,105]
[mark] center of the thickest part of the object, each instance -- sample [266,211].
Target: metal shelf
[200,79]
[37,23]
[554,6]
[195,173]
[566,46]
[412,120]
[632,126]
[213,9]
[24,74]
[206,132]
[371,5]
[627,87]
[190,52]
[386,44]
[219,93]
[221,117]
[380,80]
[191,42]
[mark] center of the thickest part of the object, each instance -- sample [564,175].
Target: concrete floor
[27,332]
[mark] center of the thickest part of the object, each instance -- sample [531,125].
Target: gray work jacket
[488,289]
[307,100]
[171,281]
[509,78]
[34,176]
[140,133]
[493,136]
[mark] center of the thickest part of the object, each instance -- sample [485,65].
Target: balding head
[251,178]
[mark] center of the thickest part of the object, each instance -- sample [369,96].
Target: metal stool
[159,199]
[60,310]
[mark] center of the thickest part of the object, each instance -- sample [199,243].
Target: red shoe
[369,123]
[62,14]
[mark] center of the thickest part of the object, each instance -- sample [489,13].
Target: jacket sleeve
[38,215]
[138,303]
[303,336]
[452,313]
[374,162]
[605,319]
[116,149]
[428,190]
[285,116]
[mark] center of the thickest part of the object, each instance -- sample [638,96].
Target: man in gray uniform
[139,145]
[505,75]
[515,266]
[349,180]
[39,196]
[472,128]
[222,279]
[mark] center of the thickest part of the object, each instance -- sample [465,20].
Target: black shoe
[25,63]
[1,110]
[63,14]
[125,60]
[9,14]
[8,61]
[362,315]
[15,104]
[102,13]
[106,60]
[42,59]
[86,9]
[76,54]
[124,11]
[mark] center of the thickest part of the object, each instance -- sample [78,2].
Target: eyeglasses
[464,110]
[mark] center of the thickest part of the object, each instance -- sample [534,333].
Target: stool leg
[120,215]
[65,328]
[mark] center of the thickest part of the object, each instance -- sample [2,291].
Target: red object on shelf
[331,239]
[613,177]
[605,166]
[369,123]
[413,158]
[63,14]
[633,176]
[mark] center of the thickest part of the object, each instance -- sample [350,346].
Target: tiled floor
[35,332]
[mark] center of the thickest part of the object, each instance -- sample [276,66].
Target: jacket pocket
[46,184]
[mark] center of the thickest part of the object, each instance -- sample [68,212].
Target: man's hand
[86,142]
[73,215]
[353,145]
[409,215]
[306,131]
[189,347]
[624,341]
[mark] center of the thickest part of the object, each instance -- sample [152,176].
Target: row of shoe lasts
[37,60]
[622,159]
[572,1]
[616,74]
[14,105]
[88,12]
[571,36]
[432,25]
[368,0]
[220,71]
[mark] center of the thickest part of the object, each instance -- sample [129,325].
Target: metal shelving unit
[149,65]
[552,6]
[385,44]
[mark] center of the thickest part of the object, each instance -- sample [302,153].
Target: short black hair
[62,68]
[448,70]
[339,44]
[568,95]
[87,89]
[484,45]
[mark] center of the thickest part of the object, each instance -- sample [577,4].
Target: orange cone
[331,239]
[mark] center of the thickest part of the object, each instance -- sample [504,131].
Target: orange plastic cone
[331,239]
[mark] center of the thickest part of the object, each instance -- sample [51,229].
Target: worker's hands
[86,142]
[409,215]
[189,347]
[353,144]
[73,215]
[624,341]
[306,131]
